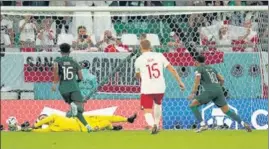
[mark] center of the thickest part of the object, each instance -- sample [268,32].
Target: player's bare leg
[194,108]
[225,109]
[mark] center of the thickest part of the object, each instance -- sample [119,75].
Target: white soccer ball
[12,121]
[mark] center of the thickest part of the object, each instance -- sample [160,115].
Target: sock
[157,113]
[88,127]
[197,113]
[234,116]
[149,119]
[73,109]
[202,123]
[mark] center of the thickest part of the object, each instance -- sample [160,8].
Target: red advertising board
[29,110]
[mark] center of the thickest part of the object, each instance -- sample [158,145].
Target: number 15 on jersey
[153,71]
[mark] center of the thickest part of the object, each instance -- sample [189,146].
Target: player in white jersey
[149,68]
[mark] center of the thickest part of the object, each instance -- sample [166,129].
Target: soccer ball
[12,121]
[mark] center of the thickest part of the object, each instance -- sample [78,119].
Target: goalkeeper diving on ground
[57,123]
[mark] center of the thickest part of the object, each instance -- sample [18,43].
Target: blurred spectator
[225,37]
[120,44]
[27,31]
[82,18]
[83,42]
[175,43]
[117,47]
[7,34]
[46,35]
[107,40]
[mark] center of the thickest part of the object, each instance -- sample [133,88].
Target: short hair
[65,48]
[200,58]
[145,44]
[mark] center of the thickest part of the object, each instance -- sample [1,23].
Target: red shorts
[146,100]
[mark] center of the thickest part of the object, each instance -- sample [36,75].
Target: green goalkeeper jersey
[68,70]
[209,79]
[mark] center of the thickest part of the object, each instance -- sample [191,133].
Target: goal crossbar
[135,9]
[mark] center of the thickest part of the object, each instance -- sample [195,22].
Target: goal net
[105,41]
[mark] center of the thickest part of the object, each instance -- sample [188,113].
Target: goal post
[105,41]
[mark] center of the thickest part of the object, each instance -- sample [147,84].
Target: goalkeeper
[56,123]
[65,70]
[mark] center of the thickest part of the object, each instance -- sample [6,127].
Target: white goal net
[105,40]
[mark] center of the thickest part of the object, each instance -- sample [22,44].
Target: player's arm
[79,72]
[173,71]
[55,76]
[196,84]
[137,70]
[220,78]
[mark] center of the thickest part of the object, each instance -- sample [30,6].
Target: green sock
[197,113]
[234,116]
[82,119]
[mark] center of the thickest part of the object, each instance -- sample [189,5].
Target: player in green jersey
[212,83]
[65,72]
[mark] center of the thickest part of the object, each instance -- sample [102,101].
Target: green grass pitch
[183,139]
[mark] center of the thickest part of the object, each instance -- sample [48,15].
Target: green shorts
[72,96]
[215,96]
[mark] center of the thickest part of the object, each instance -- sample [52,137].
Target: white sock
[157,113]
[202,123]
[88,126]
[243,123]
[149,119]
